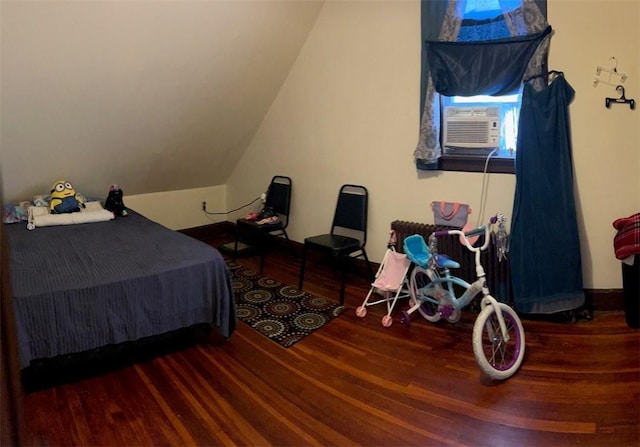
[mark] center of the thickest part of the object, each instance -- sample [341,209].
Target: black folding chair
[348,235]
[278,201]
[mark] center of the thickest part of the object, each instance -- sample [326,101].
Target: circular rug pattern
[257,296]
[292,338]
[309,321]
[316,302]
[281,308]
[245,272]
[291,292]
[270,328]
[268,282]
[247,312]
[241,284]
[281,312]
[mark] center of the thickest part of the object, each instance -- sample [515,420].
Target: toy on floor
[64,198]
[114,202]
[391,282]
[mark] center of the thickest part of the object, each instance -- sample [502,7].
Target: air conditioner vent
[472,127]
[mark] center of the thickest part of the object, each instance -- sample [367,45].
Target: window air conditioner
[472,127]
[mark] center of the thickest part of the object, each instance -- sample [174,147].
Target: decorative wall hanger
[609,76]
[620,100]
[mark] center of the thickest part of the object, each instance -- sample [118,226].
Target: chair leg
[304,260]
[293,252]
[235,246]
[372,275]
[345,265]
[262,243]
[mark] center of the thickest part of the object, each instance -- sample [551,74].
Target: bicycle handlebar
[473,232]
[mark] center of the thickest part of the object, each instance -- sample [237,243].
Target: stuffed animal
[64,198]
[114,201]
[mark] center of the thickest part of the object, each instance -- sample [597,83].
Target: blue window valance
[491,67]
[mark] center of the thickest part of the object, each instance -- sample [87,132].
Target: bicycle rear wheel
[497,358]
[418,281]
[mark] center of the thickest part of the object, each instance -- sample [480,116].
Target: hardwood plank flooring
[356,383]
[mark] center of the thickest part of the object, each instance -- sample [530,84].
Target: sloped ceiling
[154,95]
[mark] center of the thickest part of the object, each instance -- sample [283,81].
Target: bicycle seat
[444,261]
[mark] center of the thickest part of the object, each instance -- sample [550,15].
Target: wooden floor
[356,383]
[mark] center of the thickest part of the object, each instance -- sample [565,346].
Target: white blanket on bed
[39,216]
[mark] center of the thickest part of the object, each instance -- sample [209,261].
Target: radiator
[497,272]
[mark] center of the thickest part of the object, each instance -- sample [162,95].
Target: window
[486,48]
[482,20]
[487,9]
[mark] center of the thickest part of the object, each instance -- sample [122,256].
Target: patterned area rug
[282,313]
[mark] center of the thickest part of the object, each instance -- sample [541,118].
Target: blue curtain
[546,268]
[545,257]
[431,17]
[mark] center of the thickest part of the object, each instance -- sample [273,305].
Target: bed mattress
[80,287]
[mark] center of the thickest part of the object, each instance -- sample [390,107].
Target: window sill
[465,163]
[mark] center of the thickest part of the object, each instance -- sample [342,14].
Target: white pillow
[91,206]
[39,216]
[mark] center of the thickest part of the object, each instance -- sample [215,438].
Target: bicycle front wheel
[497,358]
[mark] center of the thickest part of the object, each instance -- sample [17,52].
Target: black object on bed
[81,287]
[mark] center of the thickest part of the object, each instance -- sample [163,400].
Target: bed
[80,287]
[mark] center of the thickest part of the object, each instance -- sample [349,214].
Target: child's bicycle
[498,335]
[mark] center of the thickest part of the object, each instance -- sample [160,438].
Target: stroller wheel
[387,321]
[361,311]
[405,318]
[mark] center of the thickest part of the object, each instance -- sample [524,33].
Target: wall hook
[621,100]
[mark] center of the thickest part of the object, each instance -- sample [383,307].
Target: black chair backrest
[279,197]
[351,210]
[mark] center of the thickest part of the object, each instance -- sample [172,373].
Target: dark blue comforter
[80,287]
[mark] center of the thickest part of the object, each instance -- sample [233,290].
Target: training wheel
[455,316]
[361,311]
[405,318]
[386,321]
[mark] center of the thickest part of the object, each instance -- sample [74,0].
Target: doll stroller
[391,282]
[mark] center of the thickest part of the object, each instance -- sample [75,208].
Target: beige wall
[348,113]
[606,142]
[182,208]
[152,95]
[345,110]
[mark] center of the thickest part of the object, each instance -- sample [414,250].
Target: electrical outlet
[204,206]
[263,197]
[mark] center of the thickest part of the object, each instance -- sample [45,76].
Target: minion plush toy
[64,198]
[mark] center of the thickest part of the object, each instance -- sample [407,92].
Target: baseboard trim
[605,299]
[597,299]
[203,233]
